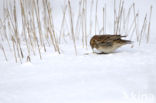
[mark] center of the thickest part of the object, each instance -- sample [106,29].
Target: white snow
[126,76]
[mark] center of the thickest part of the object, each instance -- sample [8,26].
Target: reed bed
[27,27]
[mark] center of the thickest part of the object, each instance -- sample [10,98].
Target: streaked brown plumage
[107,43]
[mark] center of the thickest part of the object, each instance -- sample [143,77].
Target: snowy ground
[126,76]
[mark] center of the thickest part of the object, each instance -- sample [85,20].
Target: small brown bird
[107,43]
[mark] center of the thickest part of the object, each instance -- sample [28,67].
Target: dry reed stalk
[102,30]
[5,33]
[137,35]
[114,16]
[51,29]
[149,25]
[124,21]
[132,26]
[12,38]
[143,28]
[127,19]
[82,23]
[27,24]
[85,21]
[133,23]
[121,21]
[2,30]
[29,36]
[14,50]
[10,21]
[62,24]
[91,8]
[56,42]
[45,23]
[131,33]
[96,15]
[103,20]
[24,24]
[11,29]
[72,30]
[1,37]
[18,45]
[82,26]
[19,52]
[37,12]
[79,20]
[52,38]
[34,33]
[119,17]
[1,46]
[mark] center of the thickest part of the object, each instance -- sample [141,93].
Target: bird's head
[93,42]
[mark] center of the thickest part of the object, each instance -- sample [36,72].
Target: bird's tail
[123,35]
[126,41]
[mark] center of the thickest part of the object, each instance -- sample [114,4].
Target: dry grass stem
[72,30]
[149,25]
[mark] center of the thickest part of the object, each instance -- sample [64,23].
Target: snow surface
[126,76]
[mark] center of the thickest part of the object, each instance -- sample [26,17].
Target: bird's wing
[104,41]
[107,44]
[110,38]
[107,40]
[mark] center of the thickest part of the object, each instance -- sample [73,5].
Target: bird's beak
[93,50]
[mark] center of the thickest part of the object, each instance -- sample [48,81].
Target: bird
[107,43]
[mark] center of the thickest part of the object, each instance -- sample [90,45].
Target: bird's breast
[109,49]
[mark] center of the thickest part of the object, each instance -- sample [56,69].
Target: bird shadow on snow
[115,52]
